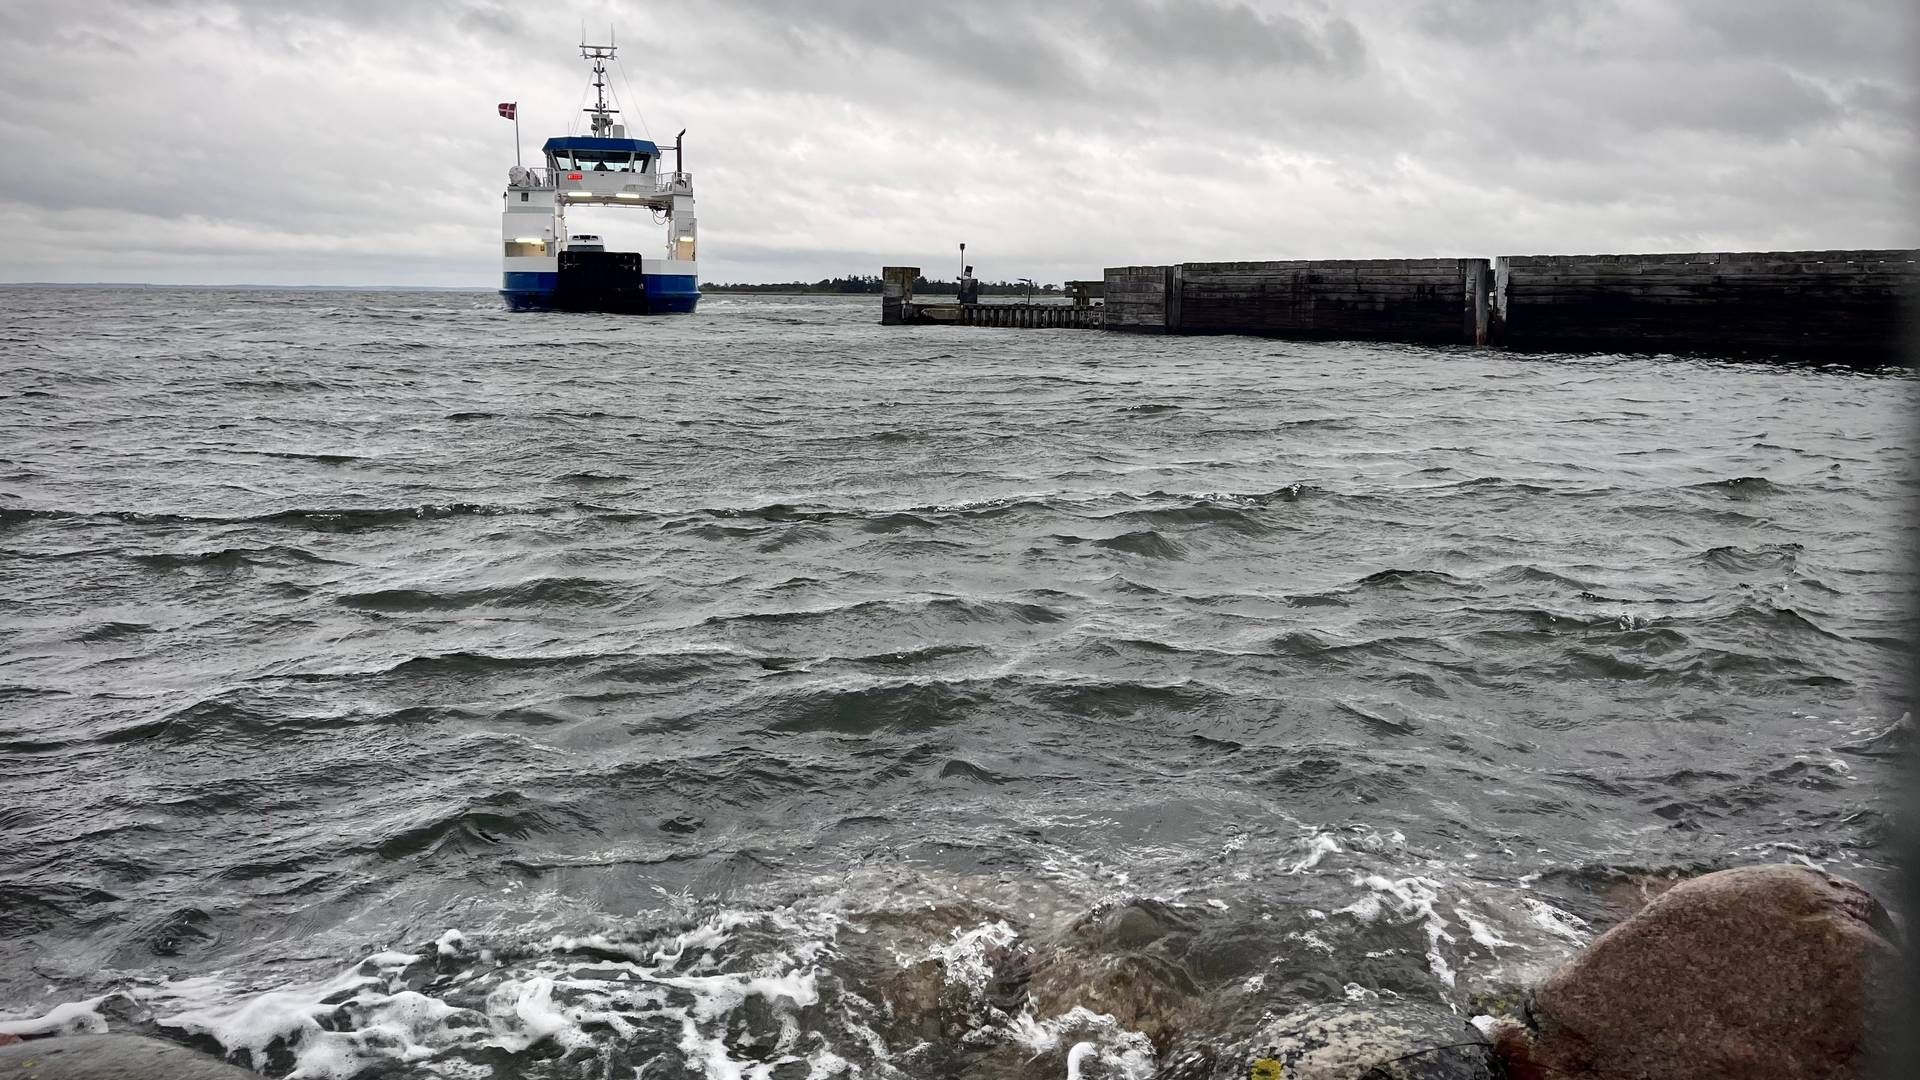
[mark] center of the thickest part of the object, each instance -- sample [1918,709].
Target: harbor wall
[1425,301]
[1136,298]
[1849,307]
[1842,306]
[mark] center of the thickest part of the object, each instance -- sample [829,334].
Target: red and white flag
[509,109]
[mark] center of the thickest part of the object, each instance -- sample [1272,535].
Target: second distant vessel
[545,268]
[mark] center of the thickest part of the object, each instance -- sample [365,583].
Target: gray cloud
[354,140]
[1230,37]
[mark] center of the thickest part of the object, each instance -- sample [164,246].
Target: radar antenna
[600,112]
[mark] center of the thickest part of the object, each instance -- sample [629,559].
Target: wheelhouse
[585,153]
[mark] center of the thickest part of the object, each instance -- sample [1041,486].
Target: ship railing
[662,183]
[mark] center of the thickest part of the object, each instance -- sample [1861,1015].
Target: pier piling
[896,293]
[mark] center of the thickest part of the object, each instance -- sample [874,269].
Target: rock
[941,971]
[1346,1042]
[1127,962]
[1762,971]
[112,1057]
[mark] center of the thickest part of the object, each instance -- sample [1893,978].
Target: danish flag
[510,109]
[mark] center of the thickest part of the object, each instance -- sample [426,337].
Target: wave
[897,707]
[896,522]
[1315,600]
[797,536]
[1529,574]
[1695,665]
[1118,699]
[1198,513]
[356,519]
[316,519]
[113,631]
[1740,487]
[962,769]
[538,592]
[919,657]
[292,455]
[1491,483]
[949,609]
[1411,580]
[30,909]
[1786,629]
[1145,542]
[481,826]
[779,513]
[231,558]
[1762,557]
[1227,508]
[298,385]
[1543,623]
[211,720]
[1377,721]
[465,662]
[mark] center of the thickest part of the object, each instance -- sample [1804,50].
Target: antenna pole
[602,116]
[516,133]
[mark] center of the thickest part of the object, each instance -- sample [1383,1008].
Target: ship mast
[601,114]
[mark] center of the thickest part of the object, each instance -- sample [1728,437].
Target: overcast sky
[355,141]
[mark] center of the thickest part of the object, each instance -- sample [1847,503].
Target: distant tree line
[868,283]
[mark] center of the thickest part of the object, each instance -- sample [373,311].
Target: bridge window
[523,248]
[601,161]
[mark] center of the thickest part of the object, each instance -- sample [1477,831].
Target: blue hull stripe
[672,293]
[665,294]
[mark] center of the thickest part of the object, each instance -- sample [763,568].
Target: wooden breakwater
[1423,301]
[898,307]
[1858,307]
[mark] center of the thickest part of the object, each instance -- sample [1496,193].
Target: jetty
[898,307]
[1852,307]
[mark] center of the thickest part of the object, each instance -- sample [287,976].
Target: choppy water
[769,694]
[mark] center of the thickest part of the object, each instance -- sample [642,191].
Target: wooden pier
[899,308]
[1849,307]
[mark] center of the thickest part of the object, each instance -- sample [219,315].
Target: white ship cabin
[611,171]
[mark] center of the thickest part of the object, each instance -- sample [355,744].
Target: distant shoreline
[241,288]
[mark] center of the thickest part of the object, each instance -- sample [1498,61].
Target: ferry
[547,269]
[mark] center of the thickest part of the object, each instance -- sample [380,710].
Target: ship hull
[605,281]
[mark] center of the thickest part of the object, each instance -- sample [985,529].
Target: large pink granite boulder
[1774,971]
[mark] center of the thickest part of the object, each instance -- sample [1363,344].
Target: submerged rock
[112,1057]
[1125,962]
[1761,971]
[1346,1042]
